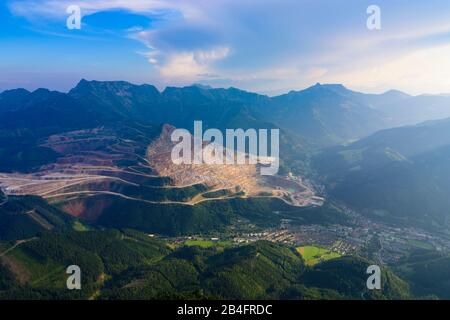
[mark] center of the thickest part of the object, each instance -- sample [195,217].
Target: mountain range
[326,114]
[79,161]
[340,134]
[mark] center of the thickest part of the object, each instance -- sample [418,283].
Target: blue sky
[267,46]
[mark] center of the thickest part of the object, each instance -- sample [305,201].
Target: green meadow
[314,255]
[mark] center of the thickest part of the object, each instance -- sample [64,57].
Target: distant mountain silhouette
[401,175]
[322,115]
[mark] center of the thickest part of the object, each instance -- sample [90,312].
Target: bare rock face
[243,177]
[220,176]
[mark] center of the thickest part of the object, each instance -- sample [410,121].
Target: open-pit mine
[99,162]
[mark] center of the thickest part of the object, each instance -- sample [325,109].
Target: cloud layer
[272,46]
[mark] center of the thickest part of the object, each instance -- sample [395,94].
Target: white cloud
[57,8]
[190,66]
[423,70]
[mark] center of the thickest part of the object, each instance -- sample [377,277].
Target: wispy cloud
[187,66]
[56,9]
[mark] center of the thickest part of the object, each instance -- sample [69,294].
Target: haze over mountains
[399,174]
[77,159]
[310,120]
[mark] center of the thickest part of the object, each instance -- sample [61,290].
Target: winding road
[18,243]
[6,197]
